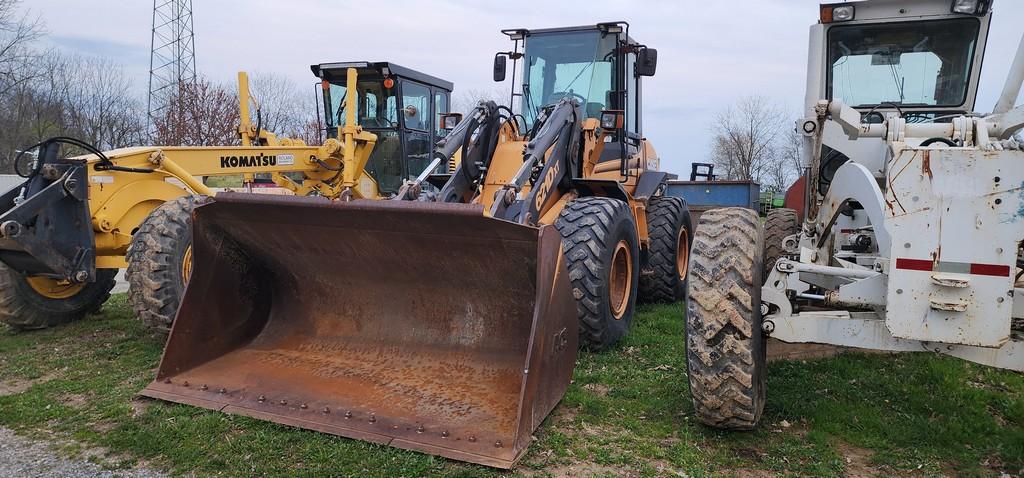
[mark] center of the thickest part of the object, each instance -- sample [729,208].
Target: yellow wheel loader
[446,320]
[67,229]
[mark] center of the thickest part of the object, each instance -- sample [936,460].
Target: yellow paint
[119,201]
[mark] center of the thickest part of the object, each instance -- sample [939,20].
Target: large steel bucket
[422,326]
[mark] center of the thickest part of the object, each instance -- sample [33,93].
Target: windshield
[376,108]
[575,64]
[912,64]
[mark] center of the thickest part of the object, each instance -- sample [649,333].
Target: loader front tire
[669,231]
[725,347]
[602,256]
[37,303]
[159,262]
[780,224]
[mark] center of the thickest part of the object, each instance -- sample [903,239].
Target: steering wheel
[562,94]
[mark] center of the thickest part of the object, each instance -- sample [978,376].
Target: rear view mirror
[499,67]
[646,62]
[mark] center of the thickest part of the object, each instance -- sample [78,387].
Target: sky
[710,53]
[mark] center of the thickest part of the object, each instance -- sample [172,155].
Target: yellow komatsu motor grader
[446,320]
[75,221]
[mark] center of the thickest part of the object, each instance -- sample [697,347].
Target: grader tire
[780,224]
[725,347]
[670,229]
[601,249]
[159,262]
[23,307]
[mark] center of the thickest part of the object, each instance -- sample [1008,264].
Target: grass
[626,413]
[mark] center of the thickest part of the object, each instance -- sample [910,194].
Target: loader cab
[399,105]
[599,66]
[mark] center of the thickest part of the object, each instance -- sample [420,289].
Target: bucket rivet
[420,429]
[223,390]
[167,380]
[284,402]
[497,444]
[261,399]
[348,414]
[303,406]
[472,438]
[373,418]
[444,434]
[204,388]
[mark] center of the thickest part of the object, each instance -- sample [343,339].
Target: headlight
[837,13]
[842,14]
[971,7]
[450,120]
[611,119]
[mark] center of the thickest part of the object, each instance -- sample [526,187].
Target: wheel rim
[620,279]
[682,253]
[53,288]
[186,265]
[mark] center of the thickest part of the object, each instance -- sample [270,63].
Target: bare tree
[788,163]
[98,106]
[285,108]
[199,114]
[464,101]
[746,139]
[17,33]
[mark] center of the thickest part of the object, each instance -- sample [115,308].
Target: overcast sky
[709,52]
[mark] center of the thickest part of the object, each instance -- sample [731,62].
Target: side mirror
[499,67]
[646,62]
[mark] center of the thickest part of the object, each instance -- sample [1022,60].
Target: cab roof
[336,71]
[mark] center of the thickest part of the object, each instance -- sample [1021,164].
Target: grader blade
[427,327]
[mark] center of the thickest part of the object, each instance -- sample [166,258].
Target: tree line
[46,93]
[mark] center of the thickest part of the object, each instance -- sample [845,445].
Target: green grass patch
[628,411]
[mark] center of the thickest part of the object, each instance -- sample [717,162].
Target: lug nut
[204,388]
[349,415]
[261,399]
[303,406]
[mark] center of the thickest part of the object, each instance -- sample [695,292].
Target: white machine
[914,211]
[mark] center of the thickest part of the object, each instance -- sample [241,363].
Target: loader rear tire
[780,224]
[159,262]
[24,307]
[669,230]
[725,347]
[602,256]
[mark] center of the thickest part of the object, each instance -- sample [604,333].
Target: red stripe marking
[914,264]
[999,270]
[847,231]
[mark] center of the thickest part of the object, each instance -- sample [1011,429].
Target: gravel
[26,458]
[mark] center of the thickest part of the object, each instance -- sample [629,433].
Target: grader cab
[913,213]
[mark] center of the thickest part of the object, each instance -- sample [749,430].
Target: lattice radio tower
[172,61]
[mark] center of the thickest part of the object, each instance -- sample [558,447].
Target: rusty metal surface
[424,326]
